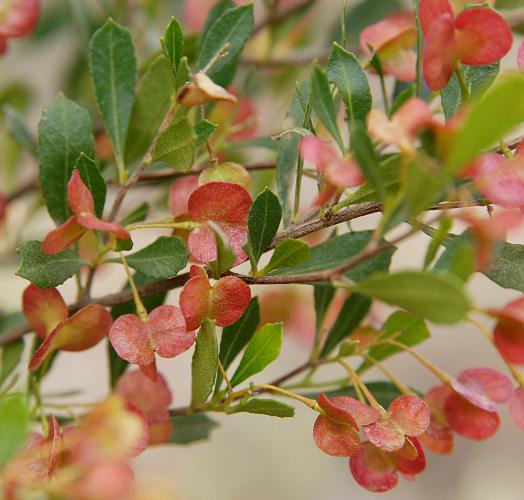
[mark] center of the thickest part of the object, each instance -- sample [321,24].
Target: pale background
[258,457]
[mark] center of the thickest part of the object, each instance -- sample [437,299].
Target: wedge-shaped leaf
[151,104]
[438,297]
[117,365]
[354,310]
[47,271]
[502,107]
[189,429]
[236,336]
[384,392]
[345,71]
[14,420]
[264,218]
[162,259]
[175,146]
[64,132]
[477,78]
[90,174]
[337,251]
[259,406]
[261,351]
[173,45]
[228,33]
[287,156]
[288,254]
[226,256]
[366,158]
[323,104]
[204,364]
[203,131]
[112,63]
[407,329]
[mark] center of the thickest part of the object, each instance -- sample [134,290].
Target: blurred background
[247,456]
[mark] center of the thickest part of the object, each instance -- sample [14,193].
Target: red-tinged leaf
[142,443]
[160,432]
[150,371]
[179,195]
[318,152]
[440,52]
[411,467]
[84,329]
[493,384]
[469,420]
[335,439]
[436,400]
[499,179]
[483,37]
[78,195]
[220,202]
[429,10]
[516,407]
[438,439]
[345,174]
[195,301]
[411,414]
[63,236]
[168,333]
[343,409]
[511,314]
[46,348]
[373,469]
[202,242]
[105,479]
[44,309]
[230,297]
[153,398]
[129,337]
[385,434]
[90,221]
[19,18]
[509,340]
[197,271]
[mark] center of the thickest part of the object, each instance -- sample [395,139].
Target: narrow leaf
[112,63]
[323,297]
[259,406]
[90,174]
[288,254]
[287,156]
[204,364]
[262,350]
[173,45]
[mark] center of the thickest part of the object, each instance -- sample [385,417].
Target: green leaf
[264,218]
[233,28]
[189,429]
[323,297]
[338,250]
[478,79]
[262,350]
[286,162]
[163,259]
[151,105]
[236,336]
[175,146]
[347,348]
[508,271]
[438,297]
[14,421]
[204,364]
[117,366]
[323,104]
[502,107]
[112,63]
[139,214]
[384,392]
[173,45]
[18,129]
[64,132]
[259,406]
[366,158]
[204,129]
[345,71]
[288,254]
[10,358]
[407,329]
[354,310]
[225,254]
[90,174]
[47,271]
